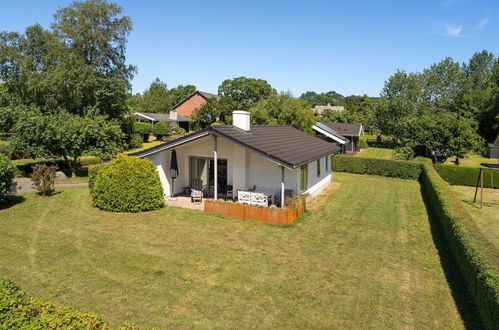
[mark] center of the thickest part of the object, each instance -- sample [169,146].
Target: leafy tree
[313,98]
[78,66]
[480,101]
[181,92]
[358,109]
[446,133]
[93,30]
[245,91]
[401,97]
[216,110]
[330,97]
[66,135]
[443,85]
[156,98]
[283,109]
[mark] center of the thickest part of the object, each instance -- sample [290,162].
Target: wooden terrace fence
[284,216]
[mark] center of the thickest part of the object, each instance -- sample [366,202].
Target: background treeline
[65,92]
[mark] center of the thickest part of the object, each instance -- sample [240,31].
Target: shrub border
[476,257]
[383,167]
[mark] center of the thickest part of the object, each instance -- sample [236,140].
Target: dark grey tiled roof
[344,128]
[283,144]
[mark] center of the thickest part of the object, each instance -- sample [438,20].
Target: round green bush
[161,129]
[136,141]
[7,174]
[144,129]
[180,130]
[127,184]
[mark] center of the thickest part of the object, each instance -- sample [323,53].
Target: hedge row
[25,168]
[477,258]
[466,176]
[19,311]
[383,167]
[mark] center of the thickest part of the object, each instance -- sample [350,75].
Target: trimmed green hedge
[477,258]
[19,311]
[383,167]
[25,168]
[127,184]
[458,175]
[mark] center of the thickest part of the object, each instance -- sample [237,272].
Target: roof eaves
[143,115]
[172,144]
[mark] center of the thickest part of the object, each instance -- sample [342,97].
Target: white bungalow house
[279,160]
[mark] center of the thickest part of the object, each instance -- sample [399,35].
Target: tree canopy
[79,65]
[245,91]
[283,109]
[445,108]
[65,135]
[330,97]
[157,98]
[63,89]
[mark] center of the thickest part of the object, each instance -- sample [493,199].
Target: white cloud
[453,30]
[483,22]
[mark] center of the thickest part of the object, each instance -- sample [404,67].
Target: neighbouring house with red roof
[194,101]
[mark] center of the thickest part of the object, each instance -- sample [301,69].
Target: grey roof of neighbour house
[284,144]
[322,126]
[207,95]
[162,116]
[343,128]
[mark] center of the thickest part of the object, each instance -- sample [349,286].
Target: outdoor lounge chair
[196,191]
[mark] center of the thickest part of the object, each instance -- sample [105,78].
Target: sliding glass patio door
[204,169]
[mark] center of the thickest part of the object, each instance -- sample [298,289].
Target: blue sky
[351,47]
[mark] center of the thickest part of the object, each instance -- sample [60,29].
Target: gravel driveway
[25,185]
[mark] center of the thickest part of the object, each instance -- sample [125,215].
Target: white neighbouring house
[277,159]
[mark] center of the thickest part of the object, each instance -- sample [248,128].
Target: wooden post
[481,188]
[215,174]
[476,186]
[282,186]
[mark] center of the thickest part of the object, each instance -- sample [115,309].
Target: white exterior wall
[239,170]
[317,183]
[163,171]
[262,172]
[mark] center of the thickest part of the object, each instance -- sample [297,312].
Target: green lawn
[378,153]
[363,257]
[145,146]
[487,217]
[472,161]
